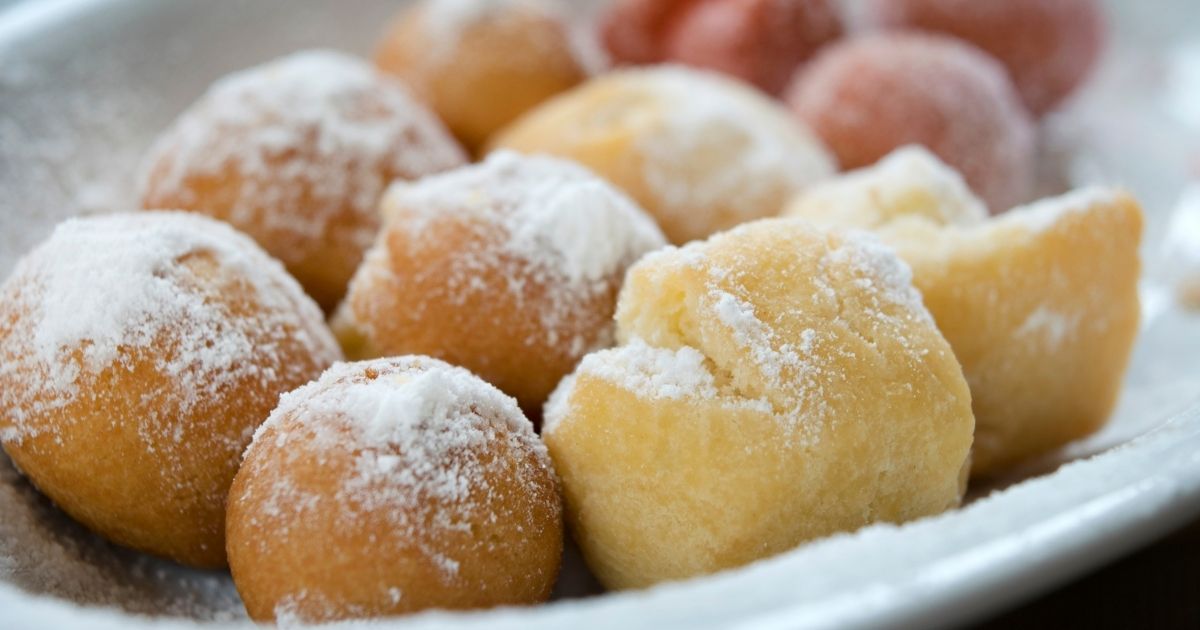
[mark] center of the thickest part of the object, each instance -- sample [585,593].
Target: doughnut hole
[141,353]
[509,268]
[761,42]
[868,96]
[700,152]
[480,63]
[635,31]
[1049,48]
[296,153]
[390,487]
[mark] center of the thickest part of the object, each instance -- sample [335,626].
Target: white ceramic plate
[85,85]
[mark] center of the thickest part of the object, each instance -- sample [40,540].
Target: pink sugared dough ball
[759,41]
[633,31]
[871,95]
[1048,46]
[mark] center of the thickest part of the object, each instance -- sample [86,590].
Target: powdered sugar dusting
[869,94]
[541,220]
[105,285]
[1052,327]
[558,217]
[765,153]
[783,357]
[653,372]
[423,434]
[317,130]
[754,335]
[882,271]
[909,181]
[650,372]
[1042,215]
[716,153]
[446,22]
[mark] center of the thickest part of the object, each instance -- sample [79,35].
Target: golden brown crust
[456,275]
[296,153]
[482,74]
[313,537]
[130,450]
[413,305]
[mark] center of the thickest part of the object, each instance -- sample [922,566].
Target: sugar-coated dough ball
[759,41]
[1040,305]
[140,352]
[509,268]
[700,152]
[296,153]
[482,63]
[1048,46]
[908,182]
[775,384]
[873,94]
[389,487]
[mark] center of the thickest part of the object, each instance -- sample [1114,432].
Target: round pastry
[296,153]
[759,41]
[700,152]
[509,268]
[1040,304]
[871,95]
[1049,48]
[482,63]
[908,182]
[140,353]
[1041,307]
[389,487]
[775,384]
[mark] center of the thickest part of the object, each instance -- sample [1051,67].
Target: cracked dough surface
[1040,304]
[775,384]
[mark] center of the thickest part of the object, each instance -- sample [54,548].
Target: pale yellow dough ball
[909,182]
[1040,304]
[701,152]
[776,384]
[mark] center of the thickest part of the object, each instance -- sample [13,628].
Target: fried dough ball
[873,94]
[140,353]
[482,63]
[389,487]
[700,152]
[775,384]
[1048,46]
[908,182]
[759,41]
[296,153]
[509,268]
[1040,305]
